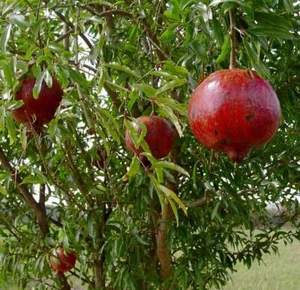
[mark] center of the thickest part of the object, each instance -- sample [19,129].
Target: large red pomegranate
[160,136]
[62,261]
[41,110]
[233,111]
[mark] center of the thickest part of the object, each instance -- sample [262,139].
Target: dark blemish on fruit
[223,142]
[193,114]
[216,132]
[249,117]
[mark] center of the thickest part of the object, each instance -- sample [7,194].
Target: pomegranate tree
[233,110]
[160,137]
[62,261]
[41,110]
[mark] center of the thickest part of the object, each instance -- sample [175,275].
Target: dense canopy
[180,222]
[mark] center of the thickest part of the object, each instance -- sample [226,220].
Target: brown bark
[162,250]
[64,282]
[232,39]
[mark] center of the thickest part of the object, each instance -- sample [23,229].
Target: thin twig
[197,203]
[76,174]
[232,39]
[26,195]
[72,26]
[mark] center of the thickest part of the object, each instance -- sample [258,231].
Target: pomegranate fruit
[233,110]
[41,110]
[160,137]
[62,261]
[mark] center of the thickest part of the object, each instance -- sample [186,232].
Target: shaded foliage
[117,60]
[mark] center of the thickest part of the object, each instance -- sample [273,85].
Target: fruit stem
[232,39]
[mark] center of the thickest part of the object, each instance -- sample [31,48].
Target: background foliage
[117,60]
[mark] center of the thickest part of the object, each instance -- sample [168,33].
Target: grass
[278,272]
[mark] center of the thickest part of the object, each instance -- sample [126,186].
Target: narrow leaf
[225,50]
[123,68]
[11,128]
[3,190]
[171,194]
[215,210]
[34,179]
[38,85]
[148,90]
[171,165]
[5,38]
[133,169]
[170,86]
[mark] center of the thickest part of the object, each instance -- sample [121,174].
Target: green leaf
[19,20]
[15,105]
[5,37]
[137,131]
[170,194]
[225,50]
[110,124]
[11,128]
[133,169]
[218,31]
[38,84]
[34,179]
[148,90]
[288,5]
[3,190]
[175,210]
[8,70]
[2,118]
[269,20]
[169,33]
[245,4]
[164,101]
[78,77]
[170,86]
[215,210]
[169,112]
[121,67]
[259,66]
[139,238]
[164,74]
[171,165]
[275,32]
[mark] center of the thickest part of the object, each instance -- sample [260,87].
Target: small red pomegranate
[233,111]
[41,110]
[160,137]
[62,261]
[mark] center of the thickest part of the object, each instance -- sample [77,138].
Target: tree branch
[162,250]
[198,203]
[72,26]
[232,40]
[76,174]
[107,12]
[160,53]
[64,282]
[27,197]
[114,96]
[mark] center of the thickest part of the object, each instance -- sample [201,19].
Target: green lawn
[279,272]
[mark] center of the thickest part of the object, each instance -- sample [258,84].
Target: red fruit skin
[41,110]
[62,261]
[160,137]
[233,111]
